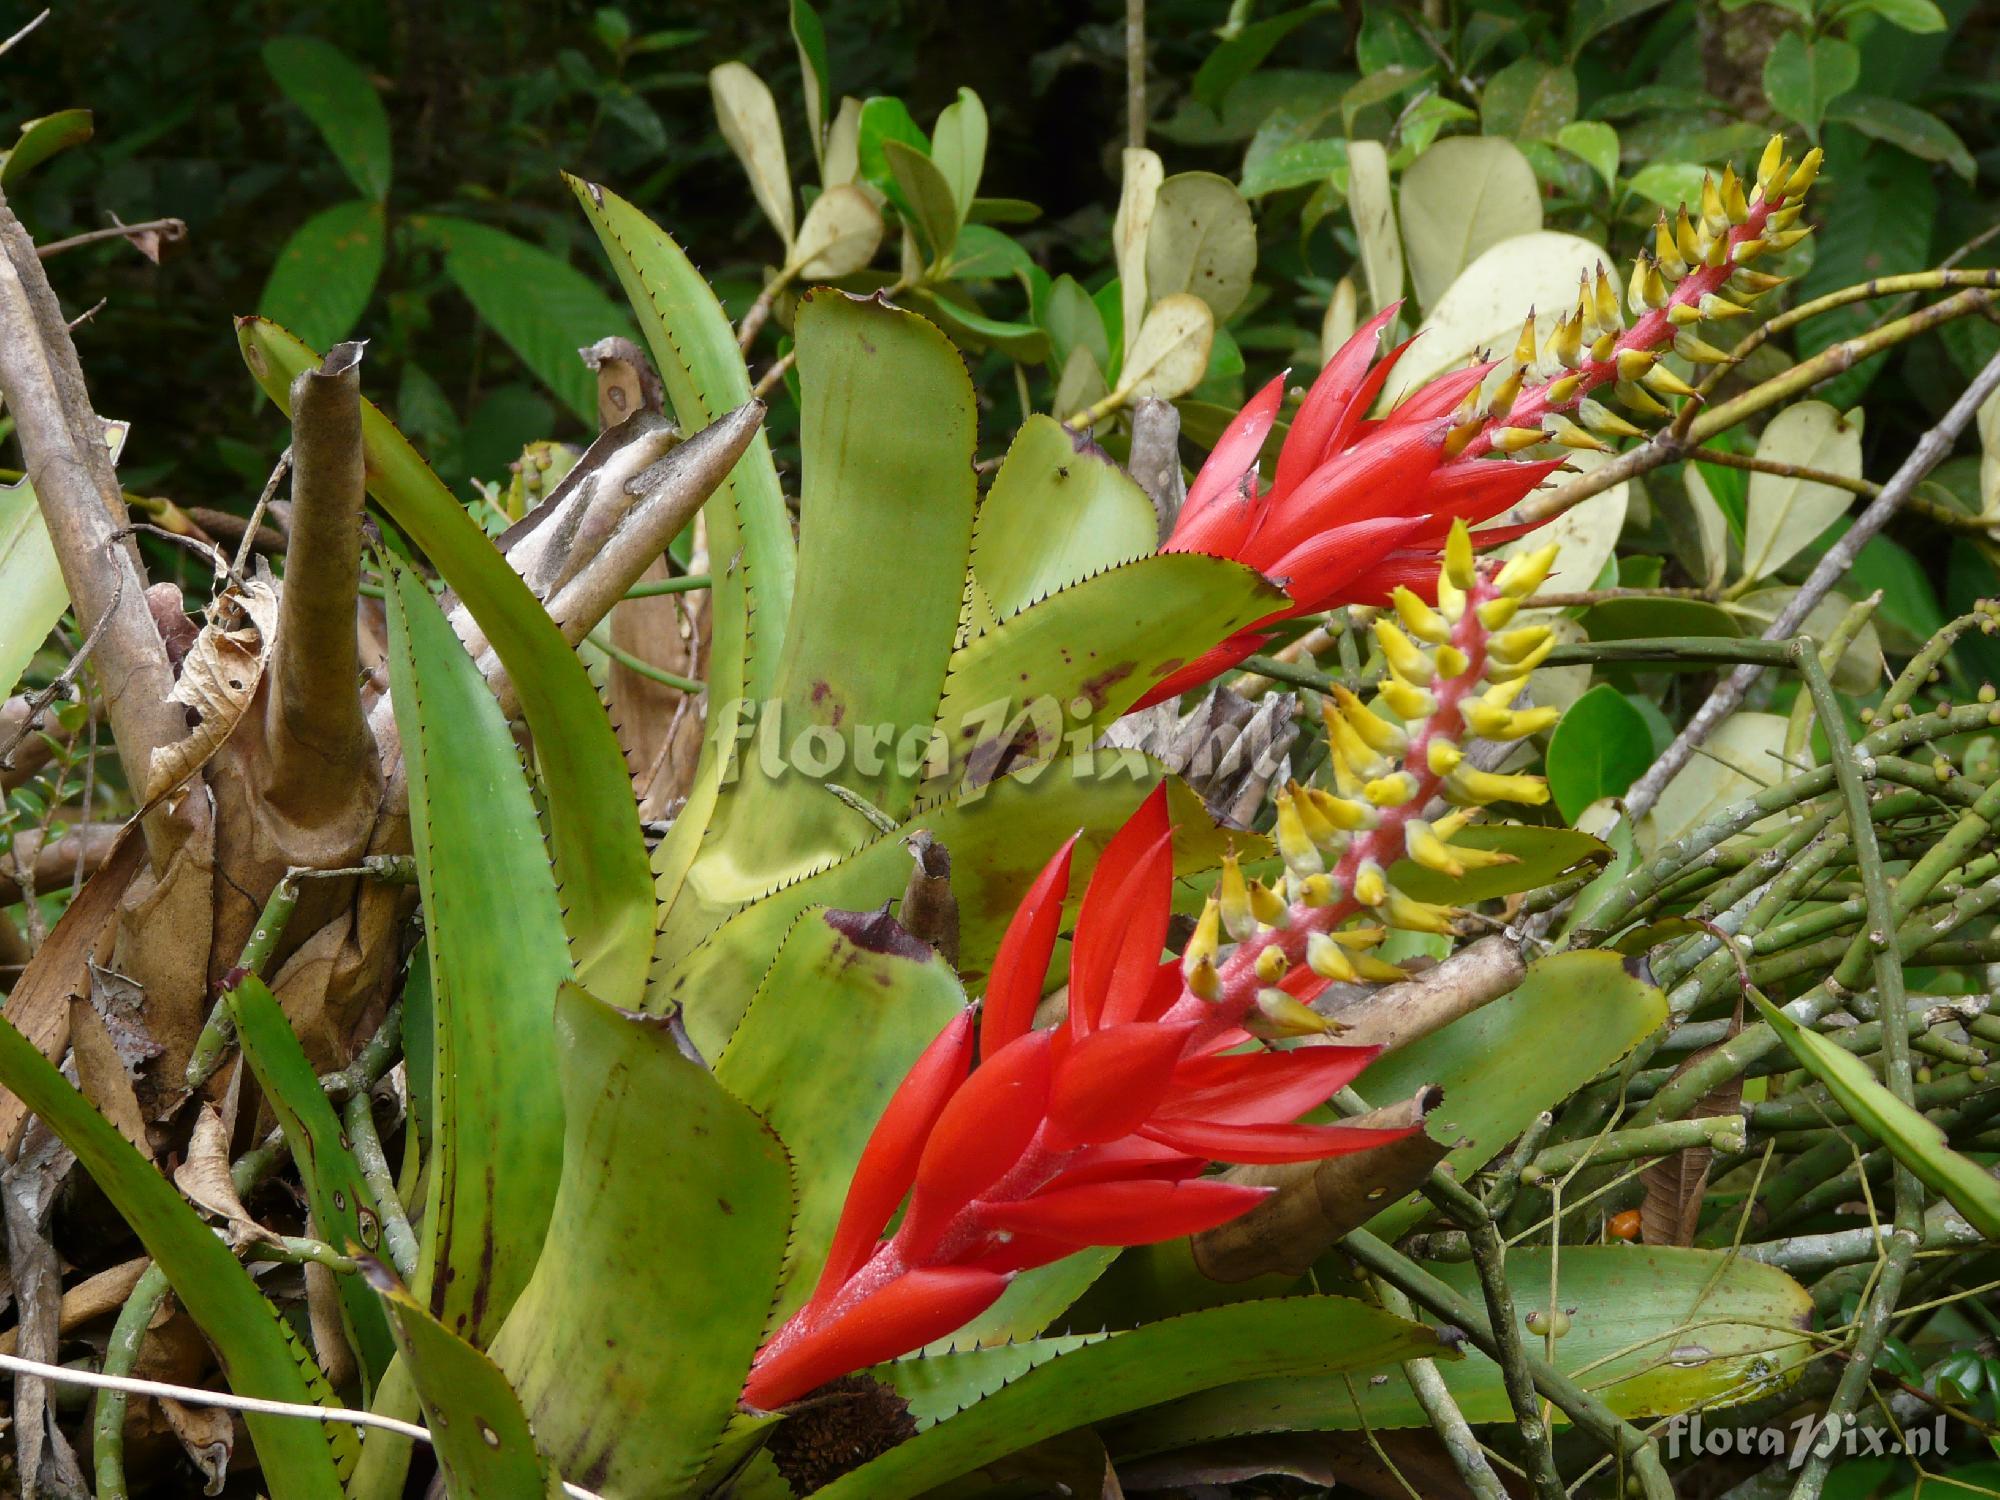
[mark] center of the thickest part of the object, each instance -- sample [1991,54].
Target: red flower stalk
[1357,507]
[1095,1132]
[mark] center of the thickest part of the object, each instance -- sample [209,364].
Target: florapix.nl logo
[1842,1436]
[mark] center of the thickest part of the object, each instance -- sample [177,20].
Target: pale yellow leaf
[1202,241]
[1171,353]
[1136,201]
[1784,514]
[840,235]
[748,116]
[1373,207]
[1464,195]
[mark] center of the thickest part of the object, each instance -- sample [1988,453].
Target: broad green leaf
[1916,131]
[999,836]
[542,306]
[1655,1330]
[1594,142]
[477,1427]
[882,120]
[1073,322]
[1080,657]
[1740,759]
[1784,514]
[1425,120]
[843,145]
[1600,747]
[1644,619]
[1801,78]
[840,235]
[1572,1017]
[1237,57]
[1170,356]
[259,1353]
[1138,197]
[885,522]
[815,77]
[630,1345]
[1920,16]
[958,148]
[985,254]
[1668,183]
[497,958]
[336,96]
[748,117]
[344,1211]
[593,819]
[1081,385]
[1486,302]
[1058,511]
[1373,206]
[1023,343]
[40,139]
[1202,241]
[1695,520]
[1529,100]
[850,1003]
[694,349]
[1542,856]
[1027,1398]
[1301,164]
[1912,1137]
[1459,199]
[32,594]
[1595,17]
[933,212]
[322,280]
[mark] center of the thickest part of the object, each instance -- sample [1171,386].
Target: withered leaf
[217,680]
[209,1436]
[204,1179]
[120,1004]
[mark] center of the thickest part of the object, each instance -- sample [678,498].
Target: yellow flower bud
[1451,662]
[1442,756]
[1328,959]
[1295,845]
[1460,568]
[1233,896]
[1526,571]
[1280,1016]
[1407,701]
[1423,622]
[1204,981]
[1397,789]
[1342,812]
[1807,173]
[1498,611]
[1374,731]
[1318,890]
[1272,963]
[1418,916]
[1404,659]
[1667,383]
[1268,906]
[1427,849]
[1371,886]
[1482,787]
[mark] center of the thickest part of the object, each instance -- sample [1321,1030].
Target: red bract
[1095,1132]
[1357,507]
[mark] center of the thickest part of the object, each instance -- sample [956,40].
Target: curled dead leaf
[217,680]
[205,1181]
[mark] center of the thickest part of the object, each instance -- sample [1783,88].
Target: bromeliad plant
[697,1151]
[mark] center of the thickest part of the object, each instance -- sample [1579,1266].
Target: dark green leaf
[41,139]
[1600,747]
[1802,78]
[1914,130]
[322,280]
[809,36]
[1239,56]
[1528,100]
[884,120]
[337,96]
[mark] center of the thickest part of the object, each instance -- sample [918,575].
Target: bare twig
[252,526]
[8,45]
[1135,73]
[1831,568]
[169,230]
[62,440]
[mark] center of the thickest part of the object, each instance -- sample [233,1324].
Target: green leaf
[497,959]
[1638,1314]
[40,139]
[1542,855]
[958,148]
[338,98]
[1203,241]
[886,502]
[540,305]
[985,254]
[1878,217]
[322,280]
[1014,1397]
[1572,1017]
[477,1426]
[344,1211]
[815,76]
[1023,343]
[665,1244]
[883,120]
[694,349]
[1238,57]
[1081,657]
[1301,164]
[1600,747]
[259,1353]
[1912,1138]
[1668,183]
[32,594]
[933,211]
[1380,88]
[1802,78]
[1919,16]
[848,1006]
[1529,100]
[1073,322]
[1914,130]
[1596,143]
[999,837]
[1058,511]
[608,907]
[1642,619]
[1464,195]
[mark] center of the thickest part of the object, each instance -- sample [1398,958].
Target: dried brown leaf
[209,1436]
[217,680]
[205,1181]
[1670,1212]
